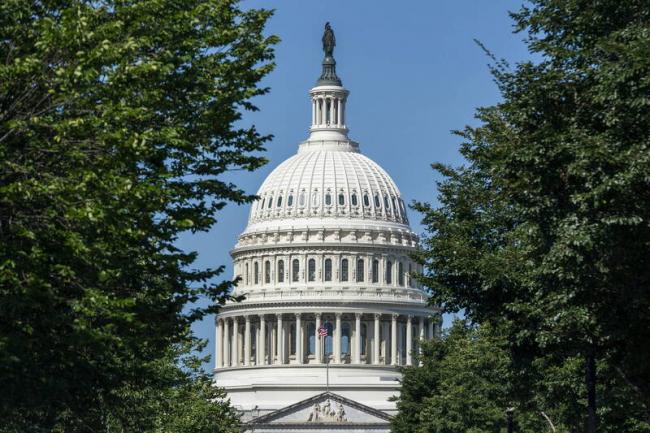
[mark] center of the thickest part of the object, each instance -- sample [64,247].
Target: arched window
[328,199]
[292,339]
[354,200]
[386,205]
[341,199]
[345,338]
[295,270]
[410,277]
[270,203]
[366,200]
[246,277]
[314,199]
[281,271]
[375,271]
[290,201]
[311,270]
[329,339]
[256,271]
[263,201]
[311,343]
[360,270]
[344,270]
[328,269]
[301,199]
[392,199]
[377,202]
[400,274]
[389,272]
[279,203]
[267,272]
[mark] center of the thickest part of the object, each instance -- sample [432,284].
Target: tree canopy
[466,381]
[545,230]
[118,122]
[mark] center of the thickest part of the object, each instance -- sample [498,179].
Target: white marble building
[327,245]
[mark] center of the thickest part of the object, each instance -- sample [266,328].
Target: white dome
[325,271]
[329,183]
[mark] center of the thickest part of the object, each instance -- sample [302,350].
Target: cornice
[324,248]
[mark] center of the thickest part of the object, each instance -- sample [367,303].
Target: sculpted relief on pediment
[327,408]
[327,412]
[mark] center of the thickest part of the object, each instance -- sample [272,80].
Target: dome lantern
[328,97]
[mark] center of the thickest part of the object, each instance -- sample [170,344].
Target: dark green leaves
[118,121]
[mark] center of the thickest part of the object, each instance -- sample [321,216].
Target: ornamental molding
[325,309]
[321,248]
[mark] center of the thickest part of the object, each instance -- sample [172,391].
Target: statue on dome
[329,41]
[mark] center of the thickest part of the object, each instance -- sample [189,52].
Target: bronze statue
[329,41]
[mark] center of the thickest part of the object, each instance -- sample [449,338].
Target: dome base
[268,388]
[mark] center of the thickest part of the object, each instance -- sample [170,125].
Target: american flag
[322,331]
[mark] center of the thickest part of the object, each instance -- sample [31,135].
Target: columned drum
[326,270]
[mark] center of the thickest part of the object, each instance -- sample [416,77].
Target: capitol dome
[330,310]
[329,184]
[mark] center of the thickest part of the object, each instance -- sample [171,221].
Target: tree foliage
[466,381]
[546,229]
[118,121]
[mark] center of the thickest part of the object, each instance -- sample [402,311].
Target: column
[393,340]
[235,343]
[357,338]
[247,341]
[280,341]
[409,340]
[377,340]
[273,350]
[218,345]
[321,107]
[261,342]
[400,343]
[226,343]
[337,340]
[299,356]
[385,333]
[317,340]
[339,118]
[313,111]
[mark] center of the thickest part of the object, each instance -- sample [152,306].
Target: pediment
[324,409]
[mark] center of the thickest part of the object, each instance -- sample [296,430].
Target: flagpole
[322,332]
[327,368]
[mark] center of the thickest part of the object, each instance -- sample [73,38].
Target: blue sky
[414,74]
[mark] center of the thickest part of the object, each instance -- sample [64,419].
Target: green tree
[546,228]
[189,403]
[118,121]
[462,384]
[466,381]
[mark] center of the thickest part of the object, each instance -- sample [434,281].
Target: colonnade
[294,338]
[328,111]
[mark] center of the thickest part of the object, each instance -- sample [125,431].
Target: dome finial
[328,76]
